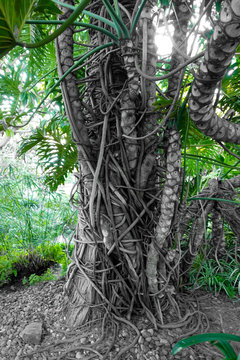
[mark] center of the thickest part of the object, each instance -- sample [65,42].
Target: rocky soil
[40,306]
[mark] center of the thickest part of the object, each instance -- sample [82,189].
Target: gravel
[21,305]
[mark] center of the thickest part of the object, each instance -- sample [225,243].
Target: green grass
[216,276]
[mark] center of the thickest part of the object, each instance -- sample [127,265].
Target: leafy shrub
[35,279]
[32,218]
[19,263]
[57,253]
[7,270]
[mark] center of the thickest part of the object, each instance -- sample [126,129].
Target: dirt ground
[223,313]
[20,305]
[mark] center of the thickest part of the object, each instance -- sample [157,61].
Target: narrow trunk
[218,55]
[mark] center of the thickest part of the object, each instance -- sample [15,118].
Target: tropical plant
[33,266]
[135,231]
[220,340]
[55,149]
[31,214]
[35,279]
[216,275]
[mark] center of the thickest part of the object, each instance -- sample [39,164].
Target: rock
[32,333]
[164,342]
[151,331]
[83,340]
[145,333]
[148,339]
[140,340]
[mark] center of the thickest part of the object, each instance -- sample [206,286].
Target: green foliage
[35,279]
[46,7]
[216,275]
[15,97]
[58,254]
[54,252]
[7,269]
[221,341]
[57,154]
[29,265]
[31,214]
[16,263]
[12,19]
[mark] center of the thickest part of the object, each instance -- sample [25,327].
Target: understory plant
[35,279]
[31,214]
[216,274]
[31,264]
[221,341]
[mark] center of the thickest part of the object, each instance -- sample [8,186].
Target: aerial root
[99,346]
[96,339]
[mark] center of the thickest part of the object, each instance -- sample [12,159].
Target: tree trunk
[127,253]
[218,55]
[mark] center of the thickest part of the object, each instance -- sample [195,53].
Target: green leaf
[55,149]
[9,15]
[164,3]
[7,40]
[200,338]
[22,9]
[12,20]
[9,132]
[46,6]
[226,349]
[218,5]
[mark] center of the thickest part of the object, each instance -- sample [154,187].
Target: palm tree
[131,247]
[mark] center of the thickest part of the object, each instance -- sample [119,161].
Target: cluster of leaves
[18,263]
[57,154]
[29,265]
[35,279]
[32,218]
[216,276]
[31,214]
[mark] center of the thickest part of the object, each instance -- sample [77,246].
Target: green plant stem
[59,31]
[88,13]
[214,199]
[84,57]
[181,111]
[234,166]
[42,77]
[136,18]
[77,23]
[117,20]
[211,161]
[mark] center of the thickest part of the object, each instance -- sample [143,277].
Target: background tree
[133,241]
